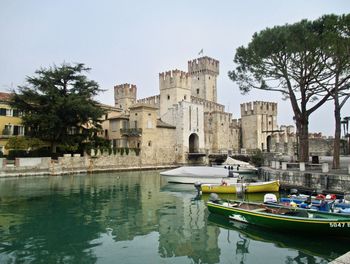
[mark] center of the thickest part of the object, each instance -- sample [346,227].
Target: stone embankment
[318,177]
[73,165]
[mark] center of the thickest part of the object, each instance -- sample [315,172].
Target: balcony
[131,132]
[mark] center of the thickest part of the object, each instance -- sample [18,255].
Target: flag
[201,52]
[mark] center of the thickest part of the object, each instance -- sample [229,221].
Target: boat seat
[258,210]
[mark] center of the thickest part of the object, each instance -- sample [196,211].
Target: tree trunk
[337,134]
[53,147]
[303,138]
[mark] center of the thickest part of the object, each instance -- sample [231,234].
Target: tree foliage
[24,143]
[58,106]
[335,44]
[288,59]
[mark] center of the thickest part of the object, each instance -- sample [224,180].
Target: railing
[131,132]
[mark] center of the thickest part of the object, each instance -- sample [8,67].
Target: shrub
[258,158]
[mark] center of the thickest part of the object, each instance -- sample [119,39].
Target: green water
[134,217]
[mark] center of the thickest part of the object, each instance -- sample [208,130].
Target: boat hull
[271,186]
[330,224]
[199,179]
[191,175]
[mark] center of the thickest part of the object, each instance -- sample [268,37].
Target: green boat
[283,219]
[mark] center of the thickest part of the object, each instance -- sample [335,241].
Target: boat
[327,205]
[282,219]
[202,174]
[248,187]
[304,244]
[237,166]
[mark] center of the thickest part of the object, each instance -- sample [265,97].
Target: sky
[133,41]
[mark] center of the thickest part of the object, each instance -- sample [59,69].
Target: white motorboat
[237,166]
[202,174]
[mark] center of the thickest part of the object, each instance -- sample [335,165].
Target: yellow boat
[248,187]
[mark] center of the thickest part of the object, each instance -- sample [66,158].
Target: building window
[7,130]
[197,91]
[135,114]
[18,130]
[113,125]
[149,114]
[185,97]
[149,143]
[168,97]
[2,111]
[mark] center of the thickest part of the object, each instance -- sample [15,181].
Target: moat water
[135,217]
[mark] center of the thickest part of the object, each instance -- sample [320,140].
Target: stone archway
[193,143]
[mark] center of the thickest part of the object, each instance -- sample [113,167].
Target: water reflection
[130,217]
[308,249]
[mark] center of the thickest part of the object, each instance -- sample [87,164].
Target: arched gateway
[193,143]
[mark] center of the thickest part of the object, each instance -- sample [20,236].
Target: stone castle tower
[174,86]
[125,96]
[187,108]
[258,124]
[204,72]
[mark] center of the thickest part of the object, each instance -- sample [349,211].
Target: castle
[184,123]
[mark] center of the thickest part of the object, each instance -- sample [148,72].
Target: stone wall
[86,164]
[309,180]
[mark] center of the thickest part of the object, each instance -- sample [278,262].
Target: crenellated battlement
[209,106]
[203,64]
[236,123]
[125,90]
[152,100]
[258,108]
[174,79]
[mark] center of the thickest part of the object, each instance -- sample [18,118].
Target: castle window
[168,97]
[197,91]
[185,97]
[209,77]
[198,78]
[149,114]
[136,114]
[149,143]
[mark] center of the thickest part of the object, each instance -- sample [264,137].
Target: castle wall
[259,121]
[157,144]
[218,131]
[188,119]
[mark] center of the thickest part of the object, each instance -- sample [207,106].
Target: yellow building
[10,121]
